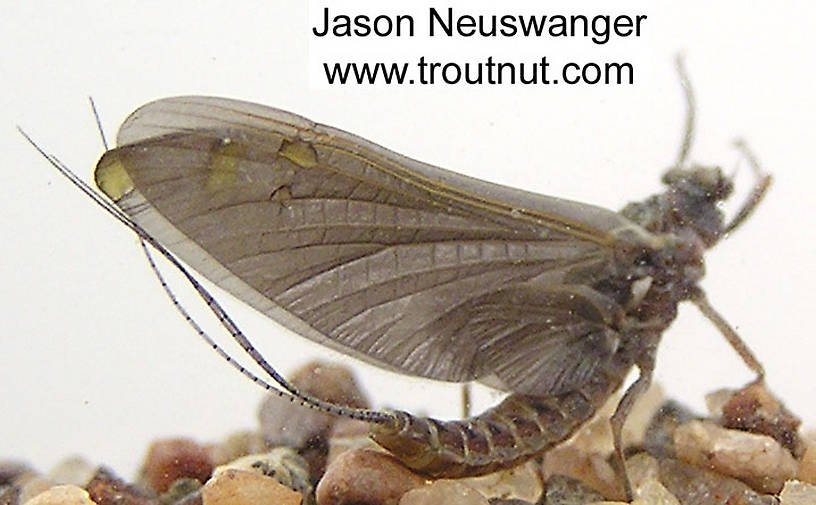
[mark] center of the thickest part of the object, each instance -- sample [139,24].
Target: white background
[94,360]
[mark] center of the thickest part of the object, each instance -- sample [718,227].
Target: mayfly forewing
[347,243]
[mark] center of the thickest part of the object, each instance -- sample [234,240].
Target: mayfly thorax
[420,270]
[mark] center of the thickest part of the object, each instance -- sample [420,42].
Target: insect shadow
[420,270]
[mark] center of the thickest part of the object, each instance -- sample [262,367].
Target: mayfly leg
[645,364]
[700,299]
[729,333]
[466,400]
[757,193]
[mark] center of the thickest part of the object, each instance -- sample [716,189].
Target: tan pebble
[62,495]
[652,492]
[590,468]
[694,485]
[716,400]
[74,470]
[596,435]
[365,477]
[283,464]
[797,493]
[522,482]
[449,492]
[31,485]
[643,411]
[807,463]
[755,459]
[642,467]
[239,487]
[175,458]
[608,503]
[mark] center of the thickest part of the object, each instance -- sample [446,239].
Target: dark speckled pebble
[105,488]
[563,490]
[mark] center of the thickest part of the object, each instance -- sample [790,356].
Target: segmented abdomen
[517,429]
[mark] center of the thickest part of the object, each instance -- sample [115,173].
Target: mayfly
[423,271]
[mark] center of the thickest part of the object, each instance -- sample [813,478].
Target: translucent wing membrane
[399,263]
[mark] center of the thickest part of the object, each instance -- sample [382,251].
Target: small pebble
[67,494]
[758,460]
[105,488]
[10,470]
[448,492]
[693,485]
[642,467]
[522,482]
[175,458]
[365,477]
[797,493]
[716,400]
[284,423]
[283,464]
[755,409]
[181,491]
[32,485]
[807,463]
[593,469]
[9,494]
[74,470]
[287,423]
[659,437]
[596,435]
[652,492]
[563,490]
[238,487]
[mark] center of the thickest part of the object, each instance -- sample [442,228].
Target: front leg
[645,364]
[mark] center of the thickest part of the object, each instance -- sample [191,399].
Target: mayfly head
[694,196]
[689,208]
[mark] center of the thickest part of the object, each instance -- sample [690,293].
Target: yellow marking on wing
[112,178]
[223,170]
[299,152]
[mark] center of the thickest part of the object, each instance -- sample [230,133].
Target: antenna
[688,130]
[289,392]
